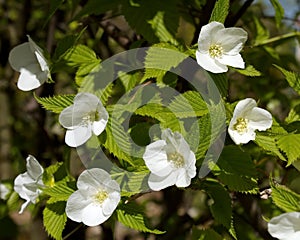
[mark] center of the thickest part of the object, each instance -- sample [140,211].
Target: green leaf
[161,58]
[236,170]
[221,81]
[59,192]
[207,234]
[55,218]
[220,11]
[131,215]
[290,145]
[279,12]
[155,20]
[285,198]
[188,104]
[118,141]
[80,55]
[262,33]
[294,114]
[221,206]
[292,78]
[56,103]
[249,71]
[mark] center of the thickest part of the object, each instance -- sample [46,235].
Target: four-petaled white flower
[85,116]
[28,59]
[219,46]
[96,198]
[285,226]
[247,118]
[170,161]
[28,184]
[4,191]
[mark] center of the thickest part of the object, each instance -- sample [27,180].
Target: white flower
[28,59]
[27,184]
[247,118]
[96,198]
[4,191]
[285,226]
[85,116]
[170,161]
[219,46]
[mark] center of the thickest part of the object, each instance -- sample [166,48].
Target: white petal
[232,60]
[110,204]
[156,158]
[73,115]
[242,138]
[94,177]
[206,36]
[78,136]
[24,205]
[285,226]
[89,99]
[158,183]
[99,126]
[28,79]
[210,64]
[242,109]
[75,205]
[183,180]
[19,182]
[92,215]
[3,191]
[190,165]
[259,119]
[33,46]
[34,169]
[21,56]
[42,62]
[231,39]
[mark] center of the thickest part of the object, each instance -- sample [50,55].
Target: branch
[232,21]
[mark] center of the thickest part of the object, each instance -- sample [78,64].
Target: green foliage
[131,215]
[292,78]
[285,198]
[221,206]
[290,146]
[236,170]
[220,11]
[279,11]
[249,71]
[56,103]
[208,234]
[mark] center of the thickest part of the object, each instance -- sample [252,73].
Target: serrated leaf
[85,70]
[142,16]
[249,71]
[59,192]
[279,11]
[262,33]
[220,11]
[55,218]
[221,81]
[132,216]
[118,141]
[56,103]
[294,115]
[161,58]
[221,206]
[285,198]
[290,145]
[188,104]
[80,55]
[236,170]
[292,78]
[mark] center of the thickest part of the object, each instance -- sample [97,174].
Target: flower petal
[90,100]
[99,126]
[21,56]
[183,180]
[24,205]
[242,138]
[78,136]
[210,64]
[232,60]
[75,205]
[4,191]
[259,119]
[231,39]
[206,36]
[73,115]
[110,204]
[156,158]
[34,169]
[28,79]
[95,177]
[92,215]
[285,226]
[158,183]
[242,109]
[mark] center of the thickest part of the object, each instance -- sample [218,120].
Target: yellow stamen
[101,196]
[176,159]
[215,51]
[241,125]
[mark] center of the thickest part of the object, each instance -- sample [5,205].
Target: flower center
[215,51]
[91,117]
[101,196]
[241,125]
[176,159]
